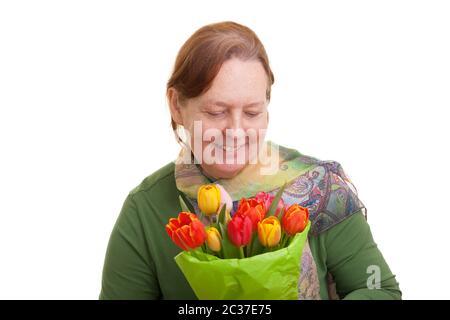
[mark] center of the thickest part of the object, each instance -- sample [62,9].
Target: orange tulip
[186,231]
[269,231]
[295,219]
[213,239]
[253,209]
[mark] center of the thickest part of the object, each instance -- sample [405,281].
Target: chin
[224,171]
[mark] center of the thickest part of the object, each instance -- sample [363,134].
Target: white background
[83,119]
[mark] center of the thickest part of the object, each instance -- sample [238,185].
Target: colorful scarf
[189,177]
[322,186]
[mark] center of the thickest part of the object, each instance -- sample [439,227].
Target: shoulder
[161,177]
[155,197]
[156,192]
[330,194]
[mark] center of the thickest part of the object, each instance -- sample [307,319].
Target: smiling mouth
[230,149]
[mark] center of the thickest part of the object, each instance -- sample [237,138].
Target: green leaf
[183,205]
[256,246]
[281,214]
[222,215]
[273,206]
[215,225]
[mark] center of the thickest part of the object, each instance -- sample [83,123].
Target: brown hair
[201,56]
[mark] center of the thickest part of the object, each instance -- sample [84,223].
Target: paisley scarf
[251,179]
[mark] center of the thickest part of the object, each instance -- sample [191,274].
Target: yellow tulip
[269,231]
[208,198]
[213,239]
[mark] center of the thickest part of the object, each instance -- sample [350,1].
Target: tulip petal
[247,231]
[186,218]
[181,239]
[213,239]
[208,198]
[197,233]
[233,231]
[253,209]
[169,230]
[274,236]
[295,219]
[269,231]
[262,234]
[174,223]
[240,230]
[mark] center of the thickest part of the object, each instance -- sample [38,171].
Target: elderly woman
[218,96]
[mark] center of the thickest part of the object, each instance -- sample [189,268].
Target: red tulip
[240,230]
[253,209]
[187,231]
[267,199]
[295,219]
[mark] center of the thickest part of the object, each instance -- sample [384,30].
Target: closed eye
[252,114]
[215,114]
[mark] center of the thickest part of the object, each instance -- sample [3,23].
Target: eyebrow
[224,104]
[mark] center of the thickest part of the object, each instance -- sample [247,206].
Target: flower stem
[241,252]
[249,248]
[286,240]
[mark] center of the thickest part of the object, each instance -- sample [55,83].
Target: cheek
[263,121]
[260,128]
[257,125]
[203,132]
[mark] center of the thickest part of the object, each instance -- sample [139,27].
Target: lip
[230,150]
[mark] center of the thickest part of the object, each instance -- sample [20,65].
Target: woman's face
[227,123]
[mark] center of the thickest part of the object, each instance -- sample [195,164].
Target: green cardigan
[140,264]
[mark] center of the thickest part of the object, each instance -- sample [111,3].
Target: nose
[235,119]
[234,130]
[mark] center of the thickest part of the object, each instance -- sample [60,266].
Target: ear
[174,106]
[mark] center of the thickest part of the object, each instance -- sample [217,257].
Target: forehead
[238,82]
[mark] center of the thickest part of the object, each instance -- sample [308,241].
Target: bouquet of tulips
[256,254]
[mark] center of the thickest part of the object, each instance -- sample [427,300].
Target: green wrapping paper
[268,276]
